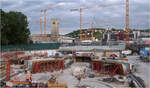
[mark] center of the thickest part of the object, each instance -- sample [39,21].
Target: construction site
[118,60]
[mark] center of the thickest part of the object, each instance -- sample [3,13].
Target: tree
[14,28]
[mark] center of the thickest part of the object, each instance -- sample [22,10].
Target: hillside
[98,32]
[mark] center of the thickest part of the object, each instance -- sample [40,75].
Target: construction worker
[79,79]
[31,76]
[27,78]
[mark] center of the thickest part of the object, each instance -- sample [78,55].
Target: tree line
[14,28]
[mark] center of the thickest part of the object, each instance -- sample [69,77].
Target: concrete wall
[78,48]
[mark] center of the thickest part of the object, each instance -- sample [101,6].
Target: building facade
[54,29]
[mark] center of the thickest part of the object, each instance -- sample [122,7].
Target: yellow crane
[44,11]
[83,8]
[127,22]
[41,24]
[48,20]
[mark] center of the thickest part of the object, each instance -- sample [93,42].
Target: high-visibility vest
[30,75]
[27,77]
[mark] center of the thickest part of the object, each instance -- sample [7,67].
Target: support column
[38,67]
[50,67]
[55,65]
[59,65]
[63,65]
[33,67]
[7,69]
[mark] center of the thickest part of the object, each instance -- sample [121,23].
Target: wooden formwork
[47,66]
[109,69]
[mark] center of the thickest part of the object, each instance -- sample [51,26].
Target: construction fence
[29,47]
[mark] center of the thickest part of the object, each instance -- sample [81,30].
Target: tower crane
[41,24]
[127,29]
[44,11]
[90,7]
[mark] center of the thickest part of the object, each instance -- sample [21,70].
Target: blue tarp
[144,52]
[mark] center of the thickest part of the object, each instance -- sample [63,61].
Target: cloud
[139,12]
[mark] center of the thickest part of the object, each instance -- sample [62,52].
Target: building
[136,34]
[53,37]
[54,29]
[145,36]
[117,36]
[65,39]
[38,38]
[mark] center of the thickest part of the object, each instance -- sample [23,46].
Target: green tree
[14,28]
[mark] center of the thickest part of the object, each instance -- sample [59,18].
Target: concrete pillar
[54,29]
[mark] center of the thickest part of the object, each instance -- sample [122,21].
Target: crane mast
[41,26]
[127,22]
[45,37]
[45,10]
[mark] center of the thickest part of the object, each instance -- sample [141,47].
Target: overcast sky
[112,16]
